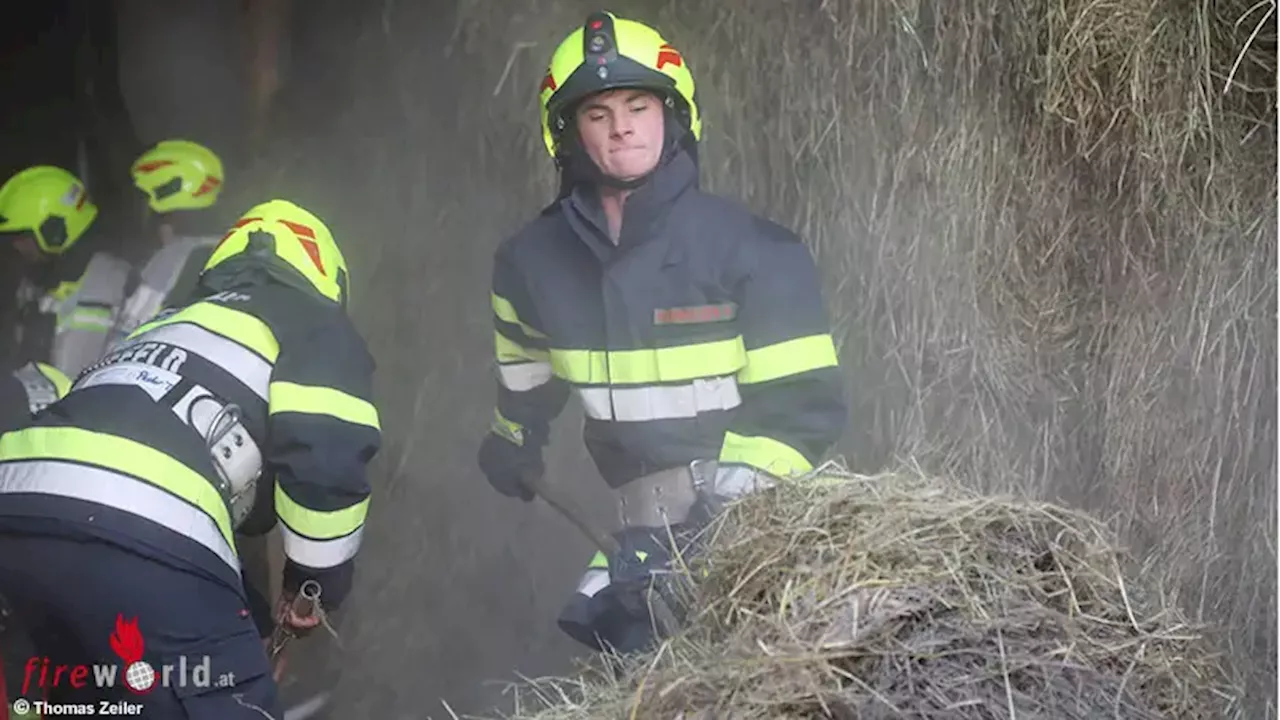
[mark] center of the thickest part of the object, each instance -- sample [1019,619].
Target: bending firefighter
[250,403]
[94,296]
[45,218]
[693,332]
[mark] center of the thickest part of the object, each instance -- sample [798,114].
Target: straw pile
[904,596]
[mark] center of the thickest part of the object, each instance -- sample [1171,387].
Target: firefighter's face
[621,131]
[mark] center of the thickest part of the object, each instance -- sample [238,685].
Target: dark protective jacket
[128,456]
[701,335]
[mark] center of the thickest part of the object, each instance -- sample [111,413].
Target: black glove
[507,466]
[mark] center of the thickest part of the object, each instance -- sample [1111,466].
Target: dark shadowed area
[1048,233]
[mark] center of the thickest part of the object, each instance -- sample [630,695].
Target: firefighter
[250,403]
[693,332]
[47,215]
[181,181]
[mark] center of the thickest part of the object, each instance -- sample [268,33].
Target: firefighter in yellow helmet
[179,178]
[693,332]
[181,182]
[46,218]
[249,404]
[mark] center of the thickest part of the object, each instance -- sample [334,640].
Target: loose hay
[905,596]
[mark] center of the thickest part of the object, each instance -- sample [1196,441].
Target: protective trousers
[89,603]
[618,599]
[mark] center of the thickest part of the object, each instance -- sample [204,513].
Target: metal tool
[305,604]
[570,512]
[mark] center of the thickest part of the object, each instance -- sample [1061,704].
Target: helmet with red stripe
[292,244]
[178,175]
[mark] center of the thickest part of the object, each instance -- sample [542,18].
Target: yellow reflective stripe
[64,290]
[506,312]
[91,312]
[509,429]
[95,319]
[317,400]
[588,367]
[637,367]
[317,524]
[509,350]
[239,326]
[774,457]
[61,383]
[673,364]
[78,325]
[791,357]
[121,455]
[598,562]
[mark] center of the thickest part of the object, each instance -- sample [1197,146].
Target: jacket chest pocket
[696,341]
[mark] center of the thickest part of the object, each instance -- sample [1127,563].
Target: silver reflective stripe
[660,402]
[524,376]
[246,365]
[137,497]
[320,553]
[593,581]
[733,481]
[233,451]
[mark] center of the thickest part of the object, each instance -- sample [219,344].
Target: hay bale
[905,596]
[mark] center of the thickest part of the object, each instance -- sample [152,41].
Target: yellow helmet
[610,52]
[290,241]
[178,175]
[50,203]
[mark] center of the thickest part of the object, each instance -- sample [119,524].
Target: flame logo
[126,641]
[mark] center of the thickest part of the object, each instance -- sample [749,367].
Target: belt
[665,497]
[235,455]
[669,496]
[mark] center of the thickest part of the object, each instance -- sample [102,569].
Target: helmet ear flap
[343,292]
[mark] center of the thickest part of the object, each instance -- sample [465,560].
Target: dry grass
[1048,229]
[908,597]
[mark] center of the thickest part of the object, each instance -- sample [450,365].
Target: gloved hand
[507,466]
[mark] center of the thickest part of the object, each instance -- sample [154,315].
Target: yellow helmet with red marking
[178,175]
[291,242]
[607,53]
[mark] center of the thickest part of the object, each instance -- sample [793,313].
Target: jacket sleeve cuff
[335,582]
[763,453]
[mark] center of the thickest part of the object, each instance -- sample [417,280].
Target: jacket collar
[643,214]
